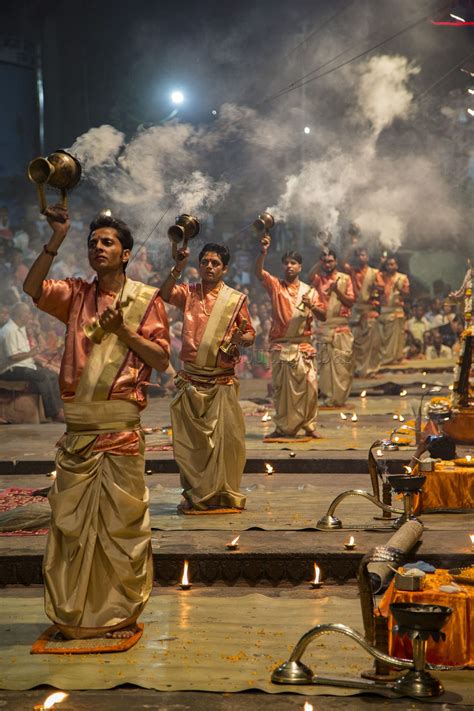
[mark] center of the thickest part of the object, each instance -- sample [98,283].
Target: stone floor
[278,544]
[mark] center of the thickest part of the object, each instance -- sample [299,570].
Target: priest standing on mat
[294,376]
[334,337]
[208,424]
[393,287]
[98,569]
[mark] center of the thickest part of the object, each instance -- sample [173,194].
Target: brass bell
[60,170]
[94,331]
[263,223]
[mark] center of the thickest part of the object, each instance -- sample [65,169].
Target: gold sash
[224,311]
[92,418]
[334,305]
[106,358]
[298,319]
[367,284]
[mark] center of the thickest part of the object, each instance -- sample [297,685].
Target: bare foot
[313,434]
[124,633]
[184,505]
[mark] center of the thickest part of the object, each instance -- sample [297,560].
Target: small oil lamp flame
[394,417]
[408,469]
[266,417]
[379,453]
[269,469]
[233,545]
[354,417]
[185,584]
[316,583]
[350,544]
[403,393]
[53,474]
[342,416]
[396,439]
[450,387]
[51,701]
[468,458]
[423,387]
[401,418]
[363,393]
[471,536]
[308,706]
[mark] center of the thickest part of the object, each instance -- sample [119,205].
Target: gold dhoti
[295,389]
[209,438]
[98,569]
[335,363]
[367,344]
[391,329]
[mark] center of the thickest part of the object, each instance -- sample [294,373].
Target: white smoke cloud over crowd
[345,171]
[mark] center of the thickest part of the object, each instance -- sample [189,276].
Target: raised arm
[33,284]
[181,259]
[264,246]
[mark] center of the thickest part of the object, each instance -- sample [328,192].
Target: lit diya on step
[269,469]
[317,582]
[350,544]
[471,536]
[185,584]
[51,701]
[233,545]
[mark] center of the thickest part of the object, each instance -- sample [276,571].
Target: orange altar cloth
[458,647]
[449,487]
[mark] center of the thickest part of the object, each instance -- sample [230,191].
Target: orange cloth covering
[73,301]
[196,310]
[449,486]
[322,282]
[283,297]
[458,647]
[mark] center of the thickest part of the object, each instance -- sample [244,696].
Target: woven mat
[22,514]
[200,643]
[280,508]
[47,643]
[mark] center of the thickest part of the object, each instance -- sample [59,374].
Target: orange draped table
[458,647]
[449,487]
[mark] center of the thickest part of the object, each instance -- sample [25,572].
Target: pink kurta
[196,311]
[73,301]
[283,296]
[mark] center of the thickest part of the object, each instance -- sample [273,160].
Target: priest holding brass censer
[117,331]
[294,306]
[208,424]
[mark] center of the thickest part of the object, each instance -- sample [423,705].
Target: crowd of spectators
[432,323]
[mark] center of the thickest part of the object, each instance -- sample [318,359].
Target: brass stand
[423,620]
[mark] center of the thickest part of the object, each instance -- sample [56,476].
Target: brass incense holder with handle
[185,227]
[60,170]
[263,223]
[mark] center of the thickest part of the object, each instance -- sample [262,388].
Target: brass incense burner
[185,227]
[263,223]
[418,621]
[60,170]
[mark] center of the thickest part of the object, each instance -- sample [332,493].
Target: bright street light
[177,97]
